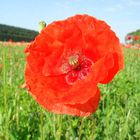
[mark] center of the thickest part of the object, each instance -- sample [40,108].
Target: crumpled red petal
[84,109]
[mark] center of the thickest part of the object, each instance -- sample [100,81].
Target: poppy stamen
[73,61]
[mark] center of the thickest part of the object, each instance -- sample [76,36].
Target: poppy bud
[42,25]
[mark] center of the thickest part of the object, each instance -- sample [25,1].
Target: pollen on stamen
[73,60]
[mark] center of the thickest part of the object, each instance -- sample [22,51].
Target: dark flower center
[77,68]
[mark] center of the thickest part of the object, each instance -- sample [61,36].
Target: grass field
[21,118]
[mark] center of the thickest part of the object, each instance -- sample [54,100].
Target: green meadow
[21,118]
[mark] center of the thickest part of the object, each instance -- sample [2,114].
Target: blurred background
[122,15]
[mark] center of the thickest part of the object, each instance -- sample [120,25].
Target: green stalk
[17,110]
[41,126]
[59,122]
[93,127]
[5,97]
[54,124]
[80,128]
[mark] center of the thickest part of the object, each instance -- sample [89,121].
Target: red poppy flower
[128,37]
[136,38]
[67,60]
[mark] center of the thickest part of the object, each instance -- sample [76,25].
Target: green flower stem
[41,125]
[80,128]
[5,97]
[54,124]
[59,122]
